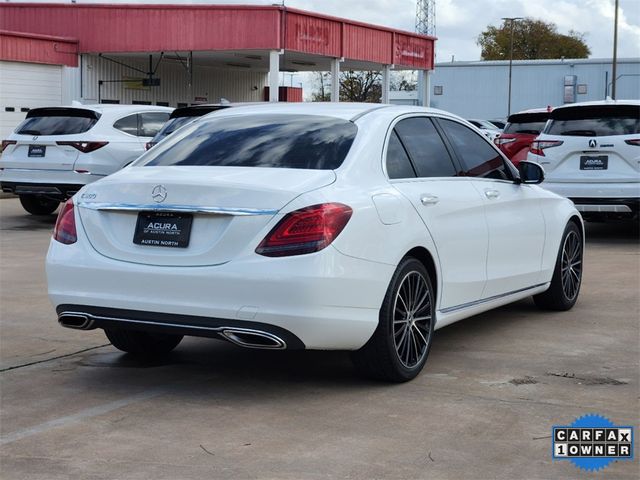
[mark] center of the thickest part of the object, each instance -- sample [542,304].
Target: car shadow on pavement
[215,365]
[614,232]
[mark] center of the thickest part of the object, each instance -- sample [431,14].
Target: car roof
[598,103]
[121,108]
[344,110]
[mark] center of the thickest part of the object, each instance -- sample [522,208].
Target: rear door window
[398,162]
[425,147]
[478,157]
[128,124]
[275,141]
[595,121]
[57,121]
[151,123]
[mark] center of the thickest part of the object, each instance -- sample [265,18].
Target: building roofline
[559,61]
[177,6]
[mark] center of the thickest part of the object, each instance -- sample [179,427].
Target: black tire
[143,344]
[567,274]
[37,205]
[399,347]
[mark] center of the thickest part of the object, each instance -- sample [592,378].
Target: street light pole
[511,20]
[615,53]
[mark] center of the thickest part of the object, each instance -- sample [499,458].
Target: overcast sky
[459,22]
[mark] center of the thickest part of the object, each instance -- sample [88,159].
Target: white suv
[591,154]
[58,150]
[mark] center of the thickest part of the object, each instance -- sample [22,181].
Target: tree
[360,86]
[404,80]
[322,92]
[532,39]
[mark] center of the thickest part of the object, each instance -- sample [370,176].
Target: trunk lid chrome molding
[177,208]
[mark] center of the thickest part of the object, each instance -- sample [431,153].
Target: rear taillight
[539,146]
[306,230]
[148,145]
[501,141]
[6,143]
[84,147]
[65,229]
[634,141]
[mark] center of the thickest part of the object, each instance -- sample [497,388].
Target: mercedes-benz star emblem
[593,143]
[159,193]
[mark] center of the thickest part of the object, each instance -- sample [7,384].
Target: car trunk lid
[207,219]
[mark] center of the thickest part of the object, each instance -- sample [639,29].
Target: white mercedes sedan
[313,226]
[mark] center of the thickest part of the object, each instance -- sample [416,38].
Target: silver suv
[58,150]
[591,154]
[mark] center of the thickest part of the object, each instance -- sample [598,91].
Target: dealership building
[176,55]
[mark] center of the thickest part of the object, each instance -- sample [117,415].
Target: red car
[521,129]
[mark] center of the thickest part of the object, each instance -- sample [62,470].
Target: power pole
[512,20]
[615,54]
[426,25]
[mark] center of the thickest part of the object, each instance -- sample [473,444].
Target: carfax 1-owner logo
[592,442]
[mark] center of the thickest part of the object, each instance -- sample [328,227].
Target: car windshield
[276,141]
[595,121]
[57,121]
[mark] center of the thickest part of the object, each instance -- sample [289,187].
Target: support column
[386,83]
[274,75]
[425,88]
[335,79]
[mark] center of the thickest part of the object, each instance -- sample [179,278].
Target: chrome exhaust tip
[77,321]
[253,338]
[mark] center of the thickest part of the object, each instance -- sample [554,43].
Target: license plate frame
[594,162]
[37,151]
[163,229]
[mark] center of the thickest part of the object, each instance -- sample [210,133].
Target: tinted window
[422,141]
[128,124]
[152,122]
[57,121]
[280,141]
[531,123]
[398,163]
[595,121]
[479,158]
[171,126]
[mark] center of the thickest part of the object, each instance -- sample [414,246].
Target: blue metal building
[479,89]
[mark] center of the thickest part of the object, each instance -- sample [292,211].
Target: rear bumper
[57,184]
[60,191]
[616,199]
[326,300]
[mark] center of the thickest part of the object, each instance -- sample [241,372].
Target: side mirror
[530,172]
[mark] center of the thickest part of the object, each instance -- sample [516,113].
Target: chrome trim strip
[489,299]
[603,208]
[280,344]
[131,207]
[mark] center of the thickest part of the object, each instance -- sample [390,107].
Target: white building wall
[479,89]
[209,83]
[23,86]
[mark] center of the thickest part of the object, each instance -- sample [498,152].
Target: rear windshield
[276,141]
[595,121]
[57,121]
[531,123]
[171,126]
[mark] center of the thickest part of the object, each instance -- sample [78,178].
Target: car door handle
[427,199]
[492,194]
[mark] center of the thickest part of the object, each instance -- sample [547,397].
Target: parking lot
[75,407]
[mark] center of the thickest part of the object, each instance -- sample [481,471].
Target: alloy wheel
[412,319]
[571,272]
